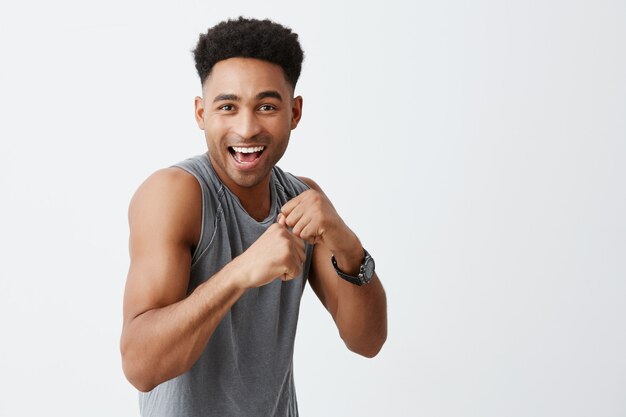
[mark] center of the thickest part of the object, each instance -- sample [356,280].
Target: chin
[231,176]
[248,180]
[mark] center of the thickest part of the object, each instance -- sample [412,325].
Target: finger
[297,240]
[291,273]
[288,207]
[295,215]
[310,233]
[280,219]
[287,277]
[307,229]
[299,225]
[296,237]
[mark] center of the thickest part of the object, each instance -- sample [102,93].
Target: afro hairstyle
[249,38]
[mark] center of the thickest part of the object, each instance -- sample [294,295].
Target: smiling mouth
[246,154]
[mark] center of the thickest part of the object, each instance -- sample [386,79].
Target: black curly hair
[249,38]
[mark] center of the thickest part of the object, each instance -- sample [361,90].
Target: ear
[199,111]
[296,111]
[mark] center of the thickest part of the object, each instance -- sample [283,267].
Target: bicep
[158,276]
[162,217]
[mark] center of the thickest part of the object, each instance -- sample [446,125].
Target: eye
[267,107]
[227,107]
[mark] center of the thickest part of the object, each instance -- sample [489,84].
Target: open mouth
[246,155]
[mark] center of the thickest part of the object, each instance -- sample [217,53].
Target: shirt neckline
[271,217]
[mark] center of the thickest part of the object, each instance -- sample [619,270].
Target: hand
[277,253]
[313,218]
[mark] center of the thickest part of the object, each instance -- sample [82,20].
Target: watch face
[368,272]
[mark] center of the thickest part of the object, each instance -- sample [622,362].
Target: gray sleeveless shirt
[246,368]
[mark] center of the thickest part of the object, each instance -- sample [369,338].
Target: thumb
[280,219]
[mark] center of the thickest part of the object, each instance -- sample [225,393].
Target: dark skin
[165,330]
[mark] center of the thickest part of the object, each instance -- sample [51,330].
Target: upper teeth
[249,149]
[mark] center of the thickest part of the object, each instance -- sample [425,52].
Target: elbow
[136,377]
[134,372]
[370,347]
[141,384]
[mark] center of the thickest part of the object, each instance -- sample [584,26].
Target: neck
[255,200]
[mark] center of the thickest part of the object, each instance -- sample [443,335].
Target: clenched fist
[313,218]
[277,253]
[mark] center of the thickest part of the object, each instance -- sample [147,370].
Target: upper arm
[164,218]
[312,184]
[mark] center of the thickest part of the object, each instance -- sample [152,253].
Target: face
[247,113]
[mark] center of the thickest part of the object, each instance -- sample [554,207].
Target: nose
[246,125]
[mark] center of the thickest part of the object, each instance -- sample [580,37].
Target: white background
[478,148]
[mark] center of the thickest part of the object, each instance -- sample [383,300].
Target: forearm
[163,343]
[361,314]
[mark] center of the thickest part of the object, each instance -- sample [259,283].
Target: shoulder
[169,200]
[312,184]
[172,186]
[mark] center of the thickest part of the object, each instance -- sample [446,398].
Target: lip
[247,145]
[246,166]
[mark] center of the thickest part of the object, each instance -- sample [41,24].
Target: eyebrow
[269,94]
[263,94]
[226,97]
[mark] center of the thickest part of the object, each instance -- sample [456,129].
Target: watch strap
[360,278]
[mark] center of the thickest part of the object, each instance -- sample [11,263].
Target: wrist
[239,275]
[350,256]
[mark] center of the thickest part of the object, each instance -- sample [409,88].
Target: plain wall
[478,148]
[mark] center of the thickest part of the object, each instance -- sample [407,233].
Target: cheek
[215,129]
[280,126]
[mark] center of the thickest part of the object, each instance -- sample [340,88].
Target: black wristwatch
[366,271]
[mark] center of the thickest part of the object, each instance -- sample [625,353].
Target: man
[222,244]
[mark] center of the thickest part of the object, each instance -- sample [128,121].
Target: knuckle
[317,197]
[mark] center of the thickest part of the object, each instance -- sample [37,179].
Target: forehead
[245,77]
